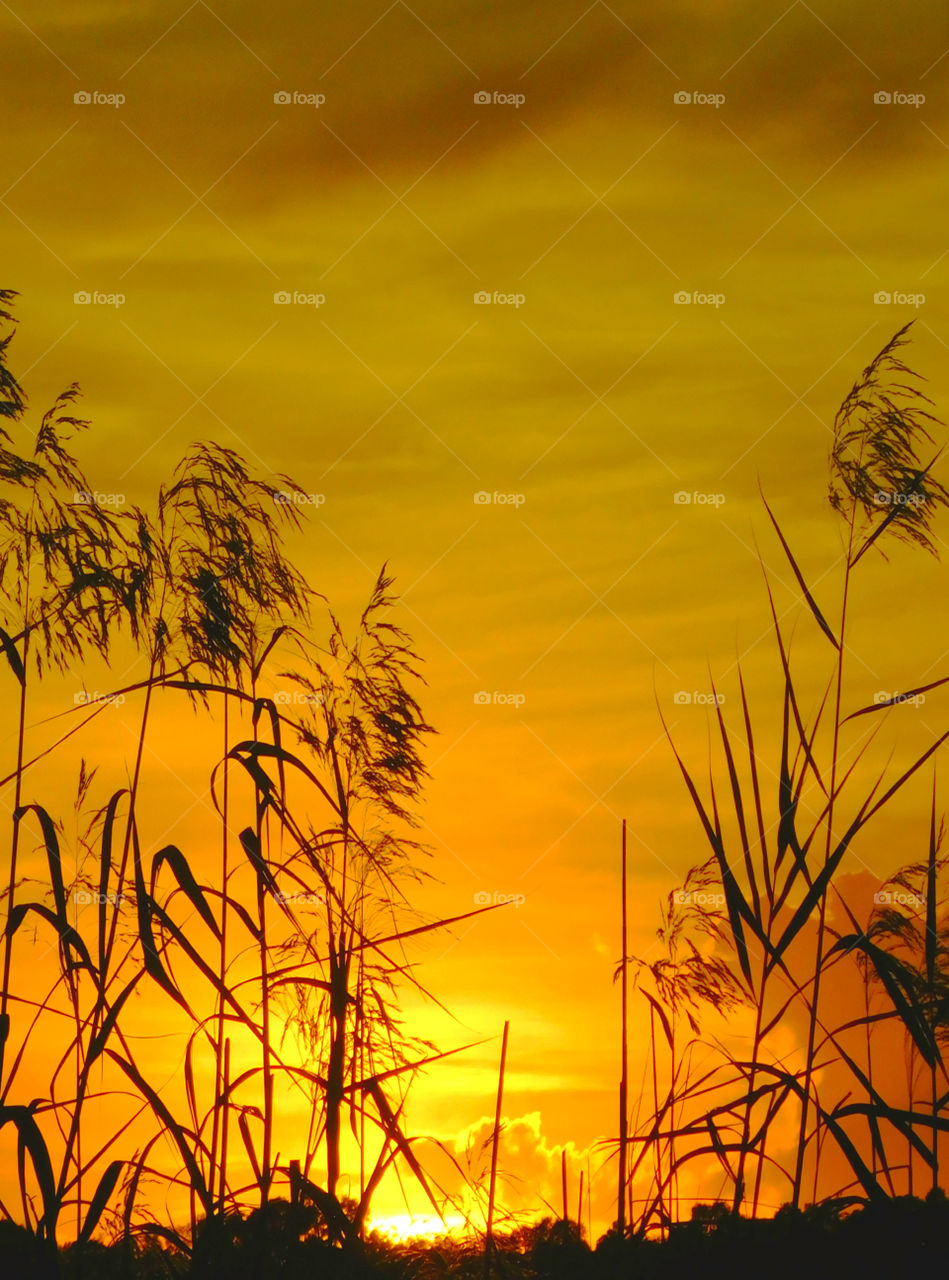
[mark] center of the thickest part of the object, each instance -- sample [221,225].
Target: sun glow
[406,1226]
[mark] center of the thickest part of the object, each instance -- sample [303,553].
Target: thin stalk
[17,797]
[746,1125]
[225,1102]
[100,1009]
[79,1073]
[909,1145]
[624,1057]
[934,1104]
[822,917]
[674,1172]
[153,660]
[589,1202]
[657,1144]
[339,957]
[930,952]
[219,1140]
[335,1075]
[489,1231]
[266,1066]
[866,1010]
[358,1032]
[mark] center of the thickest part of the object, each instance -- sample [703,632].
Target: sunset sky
[629,154]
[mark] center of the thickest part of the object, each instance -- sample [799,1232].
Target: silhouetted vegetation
[280,961]
[901,1236]
[779,826]
[291,956]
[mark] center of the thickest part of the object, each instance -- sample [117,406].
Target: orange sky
[595,397]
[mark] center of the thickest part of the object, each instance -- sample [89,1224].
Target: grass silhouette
[283,961]
[777,867]
[308,913]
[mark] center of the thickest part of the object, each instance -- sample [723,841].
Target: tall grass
[281,968]
[776,854]
[281,962]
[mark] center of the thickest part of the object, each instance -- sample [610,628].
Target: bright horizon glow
[407,1226]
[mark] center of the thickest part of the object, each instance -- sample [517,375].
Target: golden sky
[782,197]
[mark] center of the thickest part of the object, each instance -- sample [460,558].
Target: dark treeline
[904,1237]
